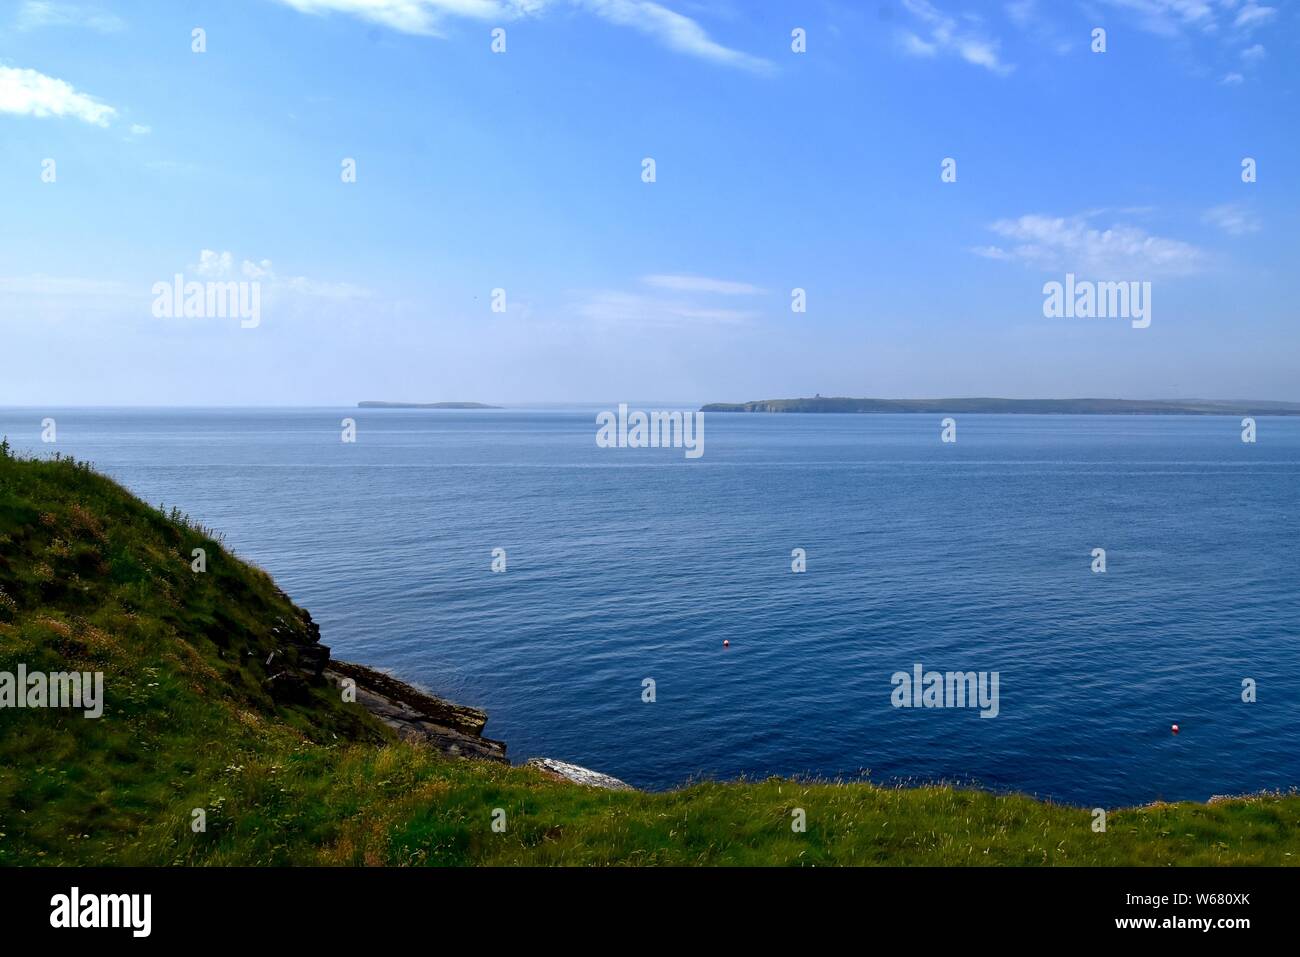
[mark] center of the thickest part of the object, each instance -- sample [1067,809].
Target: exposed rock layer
[578,774]
[453,729]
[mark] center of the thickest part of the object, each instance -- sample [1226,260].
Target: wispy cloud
[1252,15]
[723,287]
[1170,18]
[695,302]
[421,17]
[30,93]
[1233,219]
[1022,12]
[51,301]
[1038,26]
[635,308]
[42,285]
[221,265]
[916,46]
[946,34]
[1220,32]
[673,30]
[35,14]
[1073,243]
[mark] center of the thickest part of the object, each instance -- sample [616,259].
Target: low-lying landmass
[981,406]
[229,736]
[373,404]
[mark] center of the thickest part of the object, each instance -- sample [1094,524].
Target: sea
[637,611]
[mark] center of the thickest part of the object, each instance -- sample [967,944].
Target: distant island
[424,405]
[1014,406]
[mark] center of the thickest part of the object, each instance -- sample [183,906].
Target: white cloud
[213,265]
[993,252]
[425,17]
[1233,219]
[1022,12]
[221,265]
[1168,18]
[1252,15]
[982,54]
[138,129]
[673,30]
[1254,54]
[260,270]
[723,287]
[422,17]
[686,308]
[34,14]
[1232,79]
[947,35]
[1171,18]
[916,46]
[1040,29]
[686,300]
[632,308]
[1072,243]
[29,93]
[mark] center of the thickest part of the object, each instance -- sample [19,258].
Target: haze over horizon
[522,171]
[635,402]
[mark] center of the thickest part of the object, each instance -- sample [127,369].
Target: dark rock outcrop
[300,662]
[299,659]
[417,716]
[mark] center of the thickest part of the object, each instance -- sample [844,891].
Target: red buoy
[1174,729]
[726,643]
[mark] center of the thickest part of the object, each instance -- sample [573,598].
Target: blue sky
[522,171]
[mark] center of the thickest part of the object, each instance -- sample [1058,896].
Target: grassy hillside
[91,578]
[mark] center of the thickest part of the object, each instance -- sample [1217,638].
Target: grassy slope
[94,579]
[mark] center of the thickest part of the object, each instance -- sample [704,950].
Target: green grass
[91,578]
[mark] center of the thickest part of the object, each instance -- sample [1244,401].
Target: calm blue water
[628,564]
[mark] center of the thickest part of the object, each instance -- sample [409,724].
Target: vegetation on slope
[93,579]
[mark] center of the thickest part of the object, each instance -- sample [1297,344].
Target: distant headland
[369,404]
[1015,406]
